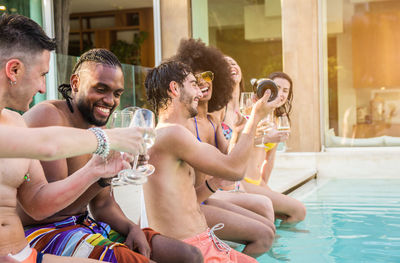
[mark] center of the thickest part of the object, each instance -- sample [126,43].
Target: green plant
[129,53]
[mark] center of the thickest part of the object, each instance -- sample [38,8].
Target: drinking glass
[120,119]
[283,123]
[267,124]
[246,103]
[142,118]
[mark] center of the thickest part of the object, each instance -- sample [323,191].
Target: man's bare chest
[13,171]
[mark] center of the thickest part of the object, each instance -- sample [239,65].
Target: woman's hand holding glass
[278,133]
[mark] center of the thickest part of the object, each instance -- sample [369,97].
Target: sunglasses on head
[206,76]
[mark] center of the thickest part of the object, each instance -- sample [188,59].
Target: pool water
[348,220]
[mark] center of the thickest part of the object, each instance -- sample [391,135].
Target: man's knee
[264,239]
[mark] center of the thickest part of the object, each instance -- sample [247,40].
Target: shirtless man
[170,195]
[25,52]
[97,84]
[250,220]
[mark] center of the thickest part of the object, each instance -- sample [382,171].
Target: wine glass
[246,103]
[283,123]
[142,118]
[267,124]
[121,120]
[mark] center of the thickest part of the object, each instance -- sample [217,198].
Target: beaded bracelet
[103,146]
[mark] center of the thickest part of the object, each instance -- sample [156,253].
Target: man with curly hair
[256,229]
[170,195]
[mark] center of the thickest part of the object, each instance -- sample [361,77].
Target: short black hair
[200,57]
[95,55]
[158,80]
[21,37]
[99,56]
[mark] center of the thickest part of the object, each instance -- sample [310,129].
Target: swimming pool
[348,220]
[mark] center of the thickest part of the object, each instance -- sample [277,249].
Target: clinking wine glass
[142,118]
[120,120]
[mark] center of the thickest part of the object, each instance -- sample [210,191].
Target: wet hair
[158,80]
[22,38]
[202,58]
[287,107]
[96,55]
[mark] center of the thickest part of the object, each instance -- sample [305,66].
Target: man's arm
[105,209]
[54,143]
[41,199]
[203,156]
[208,159]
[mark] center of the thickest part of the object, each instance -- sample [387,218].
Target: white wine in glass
[246,103]
[283,123]
[146,119]
[120,119]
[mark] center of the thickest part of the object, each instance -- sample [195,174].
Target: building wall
[175,24]
[301,62]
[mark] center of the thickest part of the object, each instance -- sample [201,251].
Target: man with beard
[24,62]
[170,195]
[96,85]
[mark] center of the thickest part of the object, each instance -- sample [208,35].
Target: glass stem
[135,161]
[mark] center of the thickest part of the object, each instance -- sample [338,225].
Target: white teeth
[105,110]
[204,89]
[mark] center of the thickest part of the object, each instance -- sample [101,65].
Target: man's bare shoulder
[171,130]
[12,118]
[173,135]
[47,113]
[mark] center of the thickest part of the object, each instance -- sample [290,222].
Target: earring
[13,83]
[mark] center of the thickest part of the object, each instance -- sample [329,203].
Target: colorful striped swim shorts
[81,236]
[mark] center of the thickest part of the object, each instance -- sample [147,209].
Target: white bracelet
[103,146]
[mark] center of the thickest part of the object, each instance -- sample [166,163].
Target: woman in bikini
[286,208]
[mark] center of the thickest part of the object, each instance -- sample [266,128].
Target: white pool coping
[291,169]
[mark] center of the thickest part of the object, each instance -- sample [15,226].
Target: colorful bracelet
[209,187]
[103,146]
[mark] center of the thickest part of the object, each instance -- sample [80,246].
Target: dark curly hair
[21,37]
[287,107]
[96,55]
[158,79]
[202,58]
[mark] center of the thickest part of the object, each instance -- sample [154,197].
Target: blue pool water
[347,220]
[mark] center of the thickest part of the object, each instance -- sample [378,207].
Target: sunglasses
[206,76]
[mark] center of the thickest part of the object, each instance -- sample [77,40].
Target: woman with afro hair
[254,229]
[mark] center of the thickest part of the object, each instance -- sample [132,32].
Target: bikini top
[215,132]
[226,130]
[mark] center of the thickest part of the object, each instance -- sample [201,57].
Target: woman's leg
[259,204]
[286,208]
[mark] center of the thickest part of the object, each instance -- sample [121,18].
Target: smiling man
[95,88]
[170,195]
